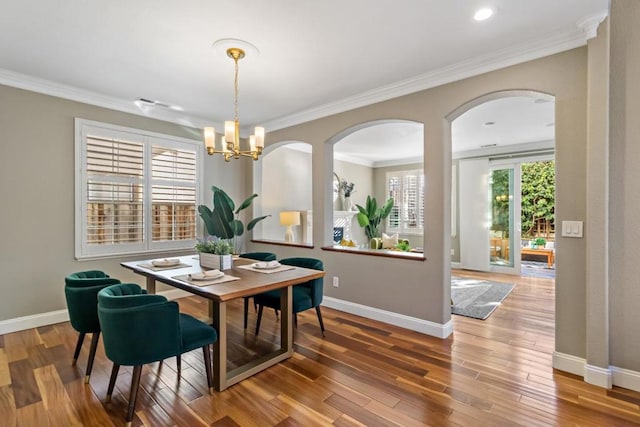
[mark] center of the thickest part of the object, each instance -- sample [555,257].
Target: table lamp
[289,219]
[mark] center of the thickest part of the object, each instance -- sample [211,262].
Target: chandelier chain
[235,87]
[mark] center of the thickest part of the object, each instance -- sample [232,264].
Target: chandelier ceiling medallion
[230,144]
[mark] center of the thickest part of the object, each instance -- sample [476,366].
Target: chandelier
[230,144]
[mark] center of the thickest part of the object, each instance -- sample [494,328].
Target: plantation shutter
[173,194]
[115,192]
[406,188]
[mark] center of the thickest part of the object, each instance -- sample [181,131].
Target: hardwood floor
[495,372]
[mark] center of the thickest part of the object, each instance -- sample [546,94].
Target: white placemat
[267,271]
[160,268]
[200,283]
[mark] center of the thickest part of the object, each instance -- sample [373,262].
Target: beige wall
[624,203]
[37,193]
[362,177]
[421,289]
[286,185]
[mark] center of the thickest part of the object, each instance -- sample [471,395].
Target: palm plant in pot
[370,216]
[224,221]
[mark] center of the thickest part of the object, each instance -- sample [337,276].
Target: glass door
[504,215]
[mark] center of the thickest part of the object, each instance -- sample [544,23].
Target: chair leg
[179,364]
[133,394]
[76,353]
[295,319]
[276,311]
[246,311]
[92,354]
[207,367]
[319,313]
[260,308]
[112,380]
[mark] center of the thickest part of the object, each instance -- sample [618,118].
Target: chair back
[260,256]
[316,285]
[81,292]
[137,327]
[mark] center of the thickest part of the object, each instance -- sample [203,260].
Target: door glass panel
[502,217]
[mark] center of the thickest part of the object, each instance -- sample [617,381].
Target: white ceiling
[316,57]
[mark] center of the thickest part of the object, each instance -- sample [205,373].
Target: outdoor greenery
[538,197]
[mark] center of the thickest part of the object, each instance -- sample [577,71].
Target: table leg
[151,285]
[219,318]
[286,320]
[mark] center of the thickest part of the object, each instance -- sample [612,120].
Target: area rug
[537,269]
[477,298]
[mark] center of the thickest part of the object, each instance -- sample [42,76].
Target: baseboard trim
[568,363]
[33,321]
[43,319]
[596,375]
[456,265]
[626,378]
[603,377]
[396,319]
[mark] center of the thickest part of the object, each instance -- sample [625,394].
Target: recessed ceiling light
[551,124]
[482,14]
[489,123]
[140,102]
[488,145]
[541,101]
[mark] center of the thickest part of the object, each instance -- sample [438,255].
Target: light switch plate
[572,229]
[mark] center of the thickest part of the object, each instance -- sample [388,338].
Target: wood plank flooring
[489,373]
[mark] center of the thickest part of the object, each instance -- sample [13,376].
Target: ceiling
[315,57]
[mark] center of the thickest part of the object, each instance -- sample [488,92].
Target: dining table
[244,279]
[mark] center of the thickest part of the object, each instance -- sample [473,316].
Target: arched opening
[283,180]
[380,159]
[503,184]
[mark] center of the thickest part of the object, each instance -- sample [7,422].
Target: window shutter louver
[406,188]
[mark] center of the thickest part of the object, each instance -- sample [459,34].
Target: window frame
[84,128]
[402,174]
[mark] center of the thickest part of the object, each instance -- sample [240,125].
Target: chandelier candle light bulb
[231,138]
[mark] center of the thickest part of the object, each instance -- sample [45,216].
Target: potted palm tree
[370,216]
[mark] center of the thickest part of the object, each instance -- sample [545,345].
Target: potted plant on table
[215,254]
[539,243]
[224,221]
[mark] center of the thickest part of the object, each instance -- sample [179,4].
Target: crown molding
[552,44]
[549,45]
[48,87]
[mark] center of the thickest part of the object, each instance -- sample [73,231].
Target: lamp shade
[290,218]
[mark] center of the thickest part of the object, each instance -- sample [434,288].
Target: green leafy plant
[223,221]
[217,247]
[540,241]
[403,246]
[370,216]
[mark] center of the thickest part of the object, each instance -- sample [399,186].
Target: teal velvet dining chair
[258,256]
[305,295]
[140,328]
[81,292]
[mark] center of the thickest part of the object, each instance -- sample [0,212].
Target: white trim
[456,265]
[355,160]
[399,162]
[568,363]
[626,378]
[52,317]
[33,321]
[513,55]
[596,375]
[419,325]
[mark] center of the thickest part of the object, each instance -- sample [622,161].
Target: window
[406,188]
[136,191]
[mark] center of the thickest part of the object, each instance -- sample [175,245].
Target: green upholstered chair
[258,256]
[305,295]
[81,291]
[140,328]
